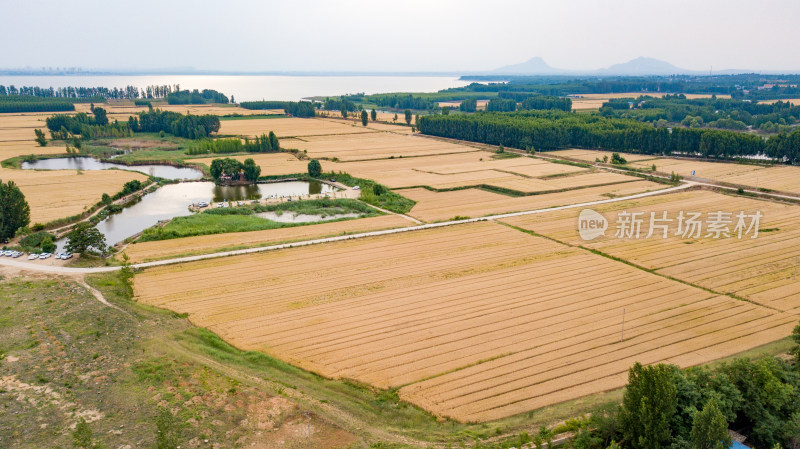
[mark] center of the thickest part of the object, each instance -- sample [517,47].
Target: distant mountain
[638,66]
[644,66]
[533,66]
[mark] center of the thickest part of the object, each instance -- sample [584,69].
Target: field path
[69,270]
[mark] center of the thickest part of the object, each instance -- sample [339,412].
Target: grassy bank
[243,219]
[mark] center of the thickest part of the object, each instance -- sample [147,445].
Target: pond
[173,200]
[90,163]
[292,217]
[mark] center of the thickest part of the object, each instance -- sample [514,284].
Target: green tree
[616,159]
[648,405]
[343,110]
[100,116]
[251,170]
[106,199]
[215,170]
[314,169]
[395,118]
[15,213]
[168,430]
[364,118]
[84,237]
[710,428]
[274,143]
[446,110]
[40,137]
[408,116]
[47,245]
[373,115]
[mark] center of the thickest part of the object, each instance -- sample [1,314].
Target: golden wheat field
[439,206]
[475,322]
[288,127]
[374,145]
[592,155]
[64,193]
[165,249]
[760,269]
[270,163]
[595,101]
[468,168]
[779,177]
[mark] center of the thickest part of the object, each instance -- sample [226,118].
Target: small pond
[90,163]
[291,217]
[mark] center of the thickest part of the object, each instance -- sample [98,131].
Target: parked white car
[44,256]
[8,253]
[33,256]
[17,254]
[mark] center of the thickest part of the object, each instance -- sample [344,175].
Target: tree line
[23,103]
[712,112]
[196,97]
[550,130]
[187,126]
[261,144]
[127,92]
[295,108]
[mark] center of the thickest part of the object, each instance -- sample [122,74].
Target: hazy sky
[397,35]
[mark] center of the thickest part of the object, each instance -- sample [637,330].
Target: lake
[253,87]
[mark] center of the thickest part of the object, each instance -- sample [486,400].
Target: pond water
[90,163]
[173,200]
[291,217]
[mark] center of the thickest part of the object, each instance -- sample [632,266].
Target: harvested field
[439,206]
[595,101]
[475,322]
[288,127]
[271,163]
[591,155]
[383,117]
[373,145]
[24,148]
[456,170]
[165,249]
[707,170]
[778,177]
[64,193]
[761,269]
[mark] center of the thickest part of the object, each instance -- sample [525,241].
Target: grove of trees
[295,108]
[196,97]
[186,126]
[549,130]
[232,168]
